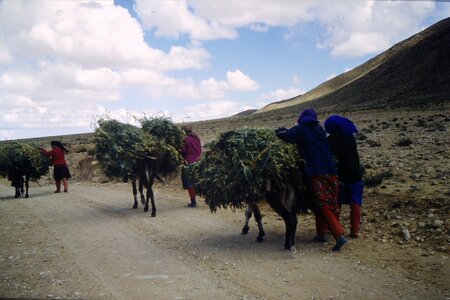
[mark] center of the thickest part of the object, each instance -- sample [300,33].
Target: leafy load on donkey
[119,146]
[240,164]
[129,152]
[20,162]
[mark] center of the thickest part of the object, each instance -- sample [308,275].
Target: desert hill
[415,71]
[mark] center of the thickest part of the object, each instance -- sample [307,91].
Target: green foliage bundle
[237,167]
[163,129]
[24,158]
[169,137]
[119,145]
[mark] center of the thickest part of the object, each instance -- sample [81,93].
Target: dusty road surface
[90,244]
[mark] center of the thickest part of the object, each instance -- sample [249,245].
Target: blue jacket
[313,147]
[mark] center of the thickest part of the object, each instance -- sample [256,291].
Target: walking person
[191,152]
[60,170]
[344,148]
[320,169]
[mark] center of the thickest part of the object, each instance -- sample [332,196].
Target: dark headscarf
[308,116]
[335,124]
[59,145]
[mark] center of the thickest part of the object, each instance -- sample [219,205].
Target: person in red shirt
[191,152]
[60,170]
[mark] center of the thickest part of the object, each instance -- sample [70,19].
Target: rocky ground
[403,250]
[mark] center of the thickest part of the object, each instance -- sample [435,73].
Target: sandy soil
[90,244]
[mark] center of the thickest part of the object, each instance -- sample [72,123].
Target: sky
[65,64]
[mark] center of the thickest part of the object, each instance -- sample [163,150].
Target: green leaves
[15,156]
[118,145]
[238,165]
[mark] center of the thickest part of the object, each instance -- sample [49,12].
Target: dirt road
[90,244]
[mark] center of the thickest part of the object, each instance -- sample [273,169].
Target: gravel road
[89,243]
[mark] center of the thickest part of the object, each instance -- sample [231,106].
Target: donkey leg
[141,192]
[291,227]
[258,219]
[152,198]
[27,179]
[290,221]
[17,194]
[248,215]
[133,184]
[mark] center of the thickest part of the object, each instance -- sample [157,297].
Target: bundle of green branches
[119,145]
[169,137]
[237,167]
[164,129]
[22,159]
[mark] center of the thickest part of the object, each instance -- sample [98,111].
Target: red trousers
[326,192]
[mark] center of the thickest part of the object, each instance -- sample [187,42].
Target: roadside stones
[437,223]
[406,235]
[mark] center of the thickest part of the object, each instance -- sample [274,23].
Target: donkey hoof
[153,214]
[135,206]
[26,196]
[292,249]
[260,238]
[245,229]
[146,209]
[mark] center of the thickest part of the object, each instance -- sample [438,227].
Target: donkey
[19,179]
[146,172]
[291,199]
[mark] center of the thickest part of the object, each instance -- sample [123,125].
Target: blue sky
[65,63]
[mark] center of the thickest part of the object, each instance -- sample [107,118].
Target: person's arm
[287,135]
[46,152]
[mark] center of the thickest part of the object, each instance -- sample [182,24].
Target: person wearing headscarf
[60,170]
[320,169]
[344,148]
[191,152]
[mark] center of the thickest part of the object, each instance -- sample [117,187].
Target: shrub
[404,142]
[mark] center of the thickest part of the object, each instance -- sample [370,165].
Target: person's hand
[280,131]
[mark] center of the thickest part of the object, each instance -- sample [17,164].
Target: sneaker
[341,241]
[354,235]
[192,204]
[320,239]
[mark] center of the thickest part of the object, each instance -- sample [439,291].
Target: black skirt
[60,172]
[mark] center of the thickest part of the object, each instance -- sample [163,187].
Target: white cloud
[211,110]
[60,59]
[278,95]
[5,57]
[173,18]
[355,28]
[295,80]
[17,82]
[80,33]
[207,20]
[239,81]
[331,76]
[144,77]
[349,28]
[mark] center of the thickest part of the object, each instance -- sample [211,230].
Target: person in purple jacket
[344,148]
[191,152]
[320,169]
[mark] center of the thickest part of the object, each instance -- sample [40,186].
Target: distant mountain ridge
[415,71]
